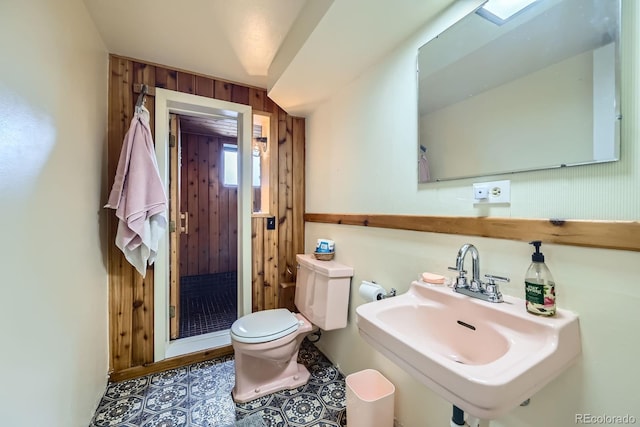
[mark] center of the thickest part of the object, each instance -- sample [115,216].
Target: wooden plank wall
[210,246]
[273,251]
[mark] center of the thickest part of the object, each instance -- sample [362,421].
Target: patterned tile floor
[199,395]
[208,303]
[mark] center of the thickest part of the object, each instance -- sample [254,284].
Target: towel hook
[143,96]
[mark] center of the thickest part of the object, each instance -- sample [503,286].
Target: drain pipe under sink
[457,419]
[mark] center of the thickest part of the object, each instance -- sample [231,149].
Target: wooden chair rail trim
[622,235]
[172,363]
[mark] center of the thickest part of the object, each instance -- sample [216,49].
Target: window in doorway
[262,137]
[230,166]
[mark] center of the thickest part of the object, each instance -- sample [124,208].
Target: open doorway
[188,226]
[207,193]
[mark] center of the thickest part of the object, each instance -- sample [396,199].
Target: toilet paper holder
[391,293]
[382,293]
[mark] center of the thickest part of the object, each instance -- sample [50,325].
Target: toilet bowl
[269,366]
[266,343]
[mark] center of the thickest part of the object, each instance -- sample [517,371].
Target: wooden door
[212,243]
[176,226]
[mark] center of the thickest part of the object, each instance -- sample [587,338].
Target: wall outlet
[496,192]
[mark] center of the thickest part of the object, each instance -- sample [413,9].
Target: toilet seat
[264,326]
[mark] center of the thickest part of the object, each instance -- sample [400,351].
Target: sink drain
[466,325]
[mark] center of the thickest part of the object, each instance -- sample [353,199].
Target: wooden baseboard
[172,363]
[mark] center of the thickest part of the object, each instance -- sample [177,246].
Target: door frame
[168,101]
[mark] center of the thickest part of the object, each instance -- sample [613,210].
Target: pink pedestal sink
[486,358]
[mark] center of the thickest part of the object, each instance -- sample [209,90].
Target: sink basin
[485,358]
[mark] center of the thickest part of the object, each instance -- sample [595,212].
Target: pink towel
[423,169]
[138,196]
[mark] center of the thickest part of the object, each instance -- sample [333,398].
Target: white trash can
[369,399]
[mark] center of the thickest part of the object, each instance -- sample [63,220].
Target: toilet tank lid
[263,326]
[327,268]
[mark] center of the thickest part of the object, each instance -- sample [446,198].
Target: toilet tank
[322,291]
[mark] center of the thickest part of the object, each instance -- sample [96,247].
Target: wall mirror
[537,91]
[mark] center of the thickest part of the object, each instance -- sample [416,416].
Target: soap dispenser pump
[539,285]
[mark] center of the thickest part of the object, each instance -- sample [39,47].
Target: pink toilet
[266,343]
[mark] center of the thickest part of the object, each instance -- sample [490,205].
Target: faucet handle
[492,279]
[461,280]
[491,288]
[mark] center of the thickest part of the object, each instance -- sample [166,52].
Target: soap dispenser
[539,285]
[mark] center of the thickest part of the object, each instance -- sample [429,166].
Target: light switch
[271,223]
[480,191]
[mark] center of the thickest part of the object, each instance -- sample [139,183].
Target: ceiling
[301,51]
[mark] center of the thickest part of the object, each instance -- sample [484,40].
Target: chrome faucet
[477,289]
[475,259]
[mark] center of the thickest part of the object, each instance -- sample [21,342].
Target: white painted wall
[361,158]
[53,114]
